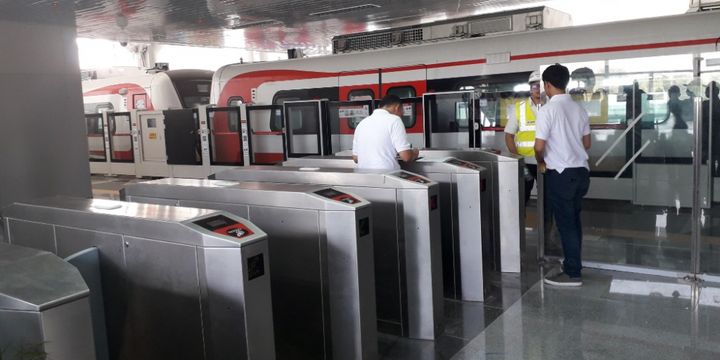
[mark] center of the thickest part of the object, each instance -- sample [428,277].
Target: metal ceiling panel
[262,25]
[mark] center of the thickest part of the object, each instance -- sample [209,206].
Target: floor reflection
[613,316]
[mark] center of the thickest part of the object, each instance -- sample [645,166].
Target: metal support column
[697,211]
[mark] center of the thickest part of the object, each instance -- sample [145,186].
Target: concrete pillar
[43,147]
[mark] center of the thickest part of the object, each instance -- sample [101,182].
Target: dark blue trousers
[565,191]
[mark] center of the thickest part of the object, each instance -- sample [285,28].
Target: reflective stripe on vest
[525,137]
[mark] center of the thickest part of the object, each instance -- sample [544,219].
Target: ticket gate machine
[408,272]
[44,307]
[178,283]
[465,218]
[506,184]
[319,287]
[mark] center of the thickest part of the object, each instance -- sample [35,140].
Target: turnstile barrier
[44,307]
[465,218]
[407,246]
[321,245]
[178,283]
[505,184]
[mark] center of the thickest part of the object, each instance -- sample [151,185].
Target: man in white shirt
[561,143]
[381,137]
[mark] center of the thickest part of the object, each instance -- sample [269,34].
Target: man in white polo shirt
[381,137]
[562,139]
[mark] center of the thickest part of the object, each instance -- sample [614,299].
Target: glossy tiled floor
[613,316]
[465,321]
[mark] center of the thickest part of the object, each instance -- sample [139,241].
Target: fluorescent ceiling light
[239,25]
[345,10]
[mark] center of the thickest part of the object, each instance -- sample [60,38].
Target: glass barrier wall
[709,91]
[639,209]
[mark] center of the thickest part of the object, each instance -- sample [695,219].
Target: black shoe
[562,279]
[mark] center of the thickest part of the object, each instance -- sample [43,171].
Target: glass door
[449,119]
[182,137]
[306,128]
[121,147]
[226,146]
[95,130]
[343,118]
[266,140]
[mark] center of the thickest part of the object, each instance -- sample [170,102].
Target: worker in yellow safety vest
[520,130]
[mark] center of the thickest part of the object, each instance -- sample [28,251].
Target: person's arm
[409,155]
[511,129]
[354,148]
[542,130]
[587,138]
[510,142]
[401,143]
[587,142]
[540,153]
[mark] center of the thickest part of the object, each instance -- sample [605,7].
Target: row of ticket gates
[303,261]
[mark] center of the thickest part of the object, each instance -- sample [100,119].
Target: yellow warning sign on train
[152,136]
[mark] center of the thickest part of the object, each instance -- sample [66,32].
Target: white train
[174,89]
[458,91]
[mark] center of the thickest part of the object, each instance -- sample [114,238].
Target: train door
[265,134]
[450,120]
[409,83]
[182,137]
[152,128]
[307,128]
[226,143]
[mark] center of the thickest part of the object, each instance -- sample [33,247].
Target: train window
[96,108]
[361,94]
[304,118]
[140,101]
[615,91]
[234,122]
[193,92]
[461,114]
[94,125]
[235,101]
[496,94]
[402,92]
[405,92]
[329,93]
[151,123]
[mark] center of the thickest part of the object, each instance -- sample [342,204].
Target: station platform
[614,315]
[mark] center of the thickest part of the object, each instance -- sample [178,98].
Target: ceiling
[261,25]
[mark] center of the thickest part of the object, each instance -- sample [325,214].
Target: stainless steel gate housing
[178,283]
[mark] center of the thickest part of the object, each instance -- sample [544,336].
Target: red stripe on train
[615,49]
[114,89]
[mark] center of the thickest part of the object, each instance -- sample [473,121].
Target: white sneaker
[562,279]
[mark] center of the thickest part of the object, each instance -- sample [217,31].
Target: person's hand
[542,167]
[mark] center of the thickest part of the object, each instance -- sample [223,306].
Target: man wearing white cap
[520,130]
